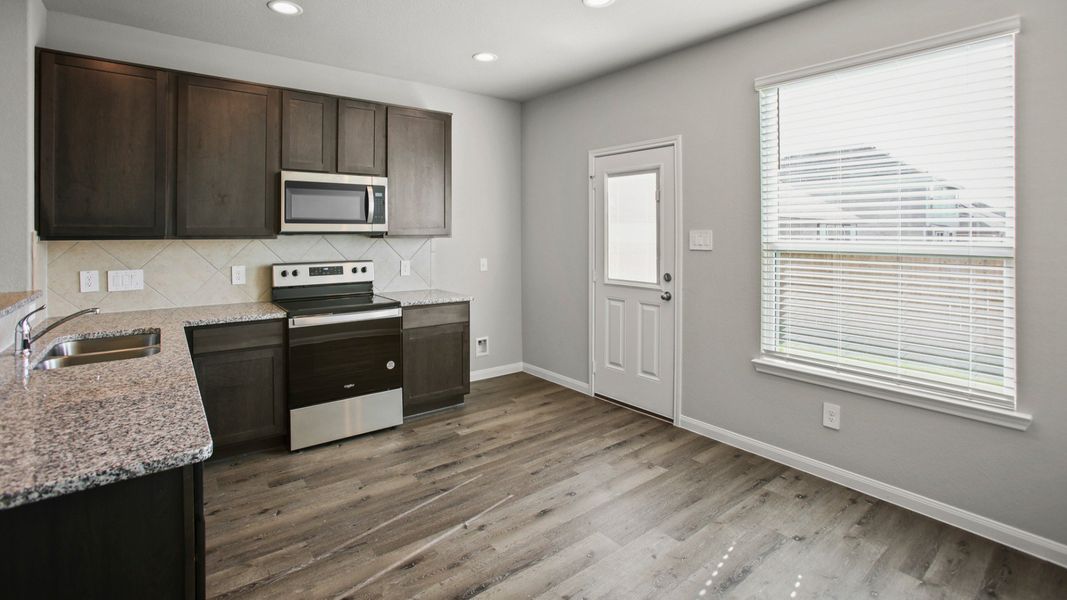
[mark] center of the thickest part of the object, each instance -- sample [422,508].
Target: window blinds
[888,221]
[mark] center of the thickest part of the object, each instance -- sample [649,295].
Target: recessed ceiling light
[598,3]
[285,7]
[485,57]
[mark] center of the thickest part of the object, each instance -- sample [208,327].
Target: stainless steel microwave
[326,202]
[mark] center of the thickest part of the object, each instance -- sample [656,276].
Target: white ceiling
[543,45]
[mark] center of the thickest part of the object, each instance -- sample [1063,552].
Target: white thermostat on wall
[700,239]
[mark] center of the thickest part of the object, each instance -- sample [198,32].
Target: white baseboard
[496,371]
[1030,543]
[563,380]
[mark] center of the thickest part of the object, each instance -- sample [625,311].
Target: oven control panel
[296,274]
[325,271]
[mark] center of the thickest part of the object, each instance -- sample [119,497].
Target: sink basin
[94,350]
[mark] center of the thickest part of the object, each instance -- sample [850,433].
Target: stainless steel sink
[94,350]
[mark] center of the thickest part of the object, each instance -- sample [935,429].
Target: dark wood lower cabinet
[241,371]
[139,538]
[436,357]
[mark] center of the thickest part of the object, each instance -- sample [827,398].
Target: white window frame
[859,384]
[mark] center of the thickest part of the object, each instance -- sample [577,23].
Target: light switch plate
[89,281]
[237,275]
[483,264]
[125,281]
[405,268]
[700,239]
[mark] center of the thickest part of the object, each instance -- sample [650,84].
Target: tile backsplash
[197,272]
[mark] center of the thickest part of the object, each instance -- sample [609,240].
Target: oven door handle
[369,315]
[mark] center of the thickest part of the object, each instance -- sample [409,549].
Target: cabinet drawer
[438,314]
[218,338]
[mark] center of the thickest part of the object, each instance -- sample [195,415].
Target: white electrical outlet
[700,239]
[405,268]
[237,275]
[89,281]
[483,264]
[481,346]
[125,281]
[831,415]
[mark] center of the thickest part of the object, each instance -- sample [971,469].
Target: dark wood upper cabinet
[103,149]
[126,151]
[309,131]
[420,172]
[228,158]
[333,135]
[360,137]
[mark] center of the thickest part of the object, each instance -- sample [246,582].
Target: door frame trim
[674,142]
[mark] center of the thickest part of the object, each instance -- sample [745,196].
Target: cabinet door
[420,172]
[104,140]
[360,137]
[436,367]
[244,394]
[228,158]
[309,131]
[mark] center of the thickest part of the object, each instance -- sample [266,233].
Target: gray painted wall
[486,157]
[21,26]
[706,95]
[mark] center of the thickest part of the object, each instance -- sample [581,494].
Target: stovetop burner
[306,289]
[336,305]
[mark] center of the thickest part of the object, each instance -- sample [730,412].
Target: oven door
[343,356]
[325,202]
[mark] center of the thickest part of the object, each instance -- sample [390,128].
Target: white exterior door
[633,254]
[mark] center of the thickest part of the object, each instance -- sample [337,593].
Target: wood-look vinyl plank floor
[532,490]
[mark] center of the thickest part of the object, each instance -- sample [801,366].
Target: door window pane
[632,232]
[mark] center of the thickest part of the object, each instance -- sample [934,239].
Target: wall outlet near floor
[481,346]
[237,275]
[89,281]
[831,415]
[125,281]
[405,268]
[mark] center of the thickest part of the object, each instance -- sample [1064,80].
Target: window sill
[879,389]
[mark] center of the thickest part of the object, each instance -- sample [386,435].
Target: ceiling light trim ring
[289,8]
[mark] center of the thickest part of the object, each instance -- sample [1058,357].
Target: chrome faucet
[23,336]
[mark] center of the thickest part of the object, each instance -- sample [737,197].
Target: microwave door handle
[370,204]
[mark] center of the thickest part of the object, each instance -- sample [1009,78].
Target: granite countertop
[80,427]
[12,301]
[422,297]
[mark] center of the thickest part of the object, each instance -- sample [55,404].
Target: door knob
[665,296]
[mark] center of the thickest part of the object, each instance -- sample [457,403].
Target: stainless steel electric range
[345,351]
